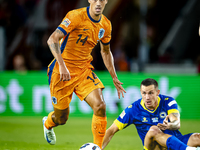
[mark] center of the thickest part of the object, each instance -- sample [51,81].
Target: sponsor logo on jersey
[66,22]
[54,99]
[101,33]
[155,119]
[163,114]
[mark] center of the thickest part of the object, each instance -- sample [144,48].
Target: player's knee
[153,132]
[100,109]
[195,138]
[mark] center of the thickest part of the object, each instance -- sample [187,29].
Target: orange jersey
[82,33]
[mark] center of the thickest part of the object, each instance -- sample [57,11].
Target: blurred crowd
[26,47]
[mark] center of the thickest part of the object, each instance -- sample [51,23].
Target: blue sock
[175,144]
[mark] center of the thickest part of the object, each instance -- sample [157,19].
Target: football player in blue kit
[157,121]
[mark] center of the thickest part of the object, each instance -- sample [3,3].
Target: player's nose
[147,96]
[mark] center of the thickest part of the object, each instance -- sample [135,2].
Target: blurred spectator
[125,23]
[120,58]
[199,30]
[12,17]
[19,63]
[121,62]
[41,49]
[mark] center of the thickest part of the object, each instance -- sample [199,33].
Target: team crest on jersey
[54,99]
[66,22]
[163,114]
[101,33]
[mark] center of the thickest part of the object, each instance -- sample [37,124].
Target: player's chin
[97,13]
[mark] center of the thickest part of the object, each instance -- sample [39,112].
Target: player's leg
[55,118]
[155,137]
[99,120]
[96,102]
[60,117]
[194,140]
[165,140]
[156,146]
[61,93]
[90,89]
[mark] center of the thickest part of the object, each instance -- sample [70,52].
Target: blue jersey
[144,118]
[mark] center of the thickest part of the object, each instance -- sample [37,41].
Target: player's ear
[158,92]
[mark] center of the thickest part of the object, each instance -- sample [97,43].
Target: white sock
[191,148]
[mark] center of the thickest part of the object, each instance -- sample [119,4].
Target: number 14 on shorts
[93,78]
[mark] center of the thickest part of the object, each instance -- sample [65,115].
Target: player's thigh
[61,92]
[95,98]
[96,102]
[90,88]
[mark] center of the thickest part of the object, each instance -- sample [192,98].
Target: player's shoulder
[80,12]
[165,97]
[167,100]
[135,104]
[105,20]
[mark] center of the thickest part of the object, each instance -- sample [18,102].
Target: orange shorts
[81,85]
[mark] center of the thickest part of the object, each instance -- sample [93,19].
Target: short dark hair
[149,81]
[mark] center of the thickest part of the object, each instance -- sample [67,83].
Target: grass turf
[26,133]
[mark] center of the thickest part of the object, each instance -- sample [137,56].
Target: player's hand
[64,73]
[118,85]
[165,124]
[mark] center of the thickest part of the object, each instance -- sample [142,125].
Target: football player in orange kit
[71,70]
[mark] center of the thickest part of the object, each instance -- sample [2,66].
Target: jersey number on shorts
[93,79]
[81,40]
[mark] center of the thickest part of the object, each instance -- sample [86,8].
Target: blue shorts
[183,138]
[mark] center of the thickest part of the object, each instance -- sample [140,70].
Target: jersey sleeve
[106,39]
[172,106]
[70,22]
[125,118]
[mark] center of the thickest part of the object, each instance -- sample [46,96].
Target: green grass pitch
[26,133]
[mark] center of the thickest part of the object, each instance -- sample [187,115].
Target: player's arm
[54,46]
[171,122]
[174,123]
[109,134]
[109,63]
